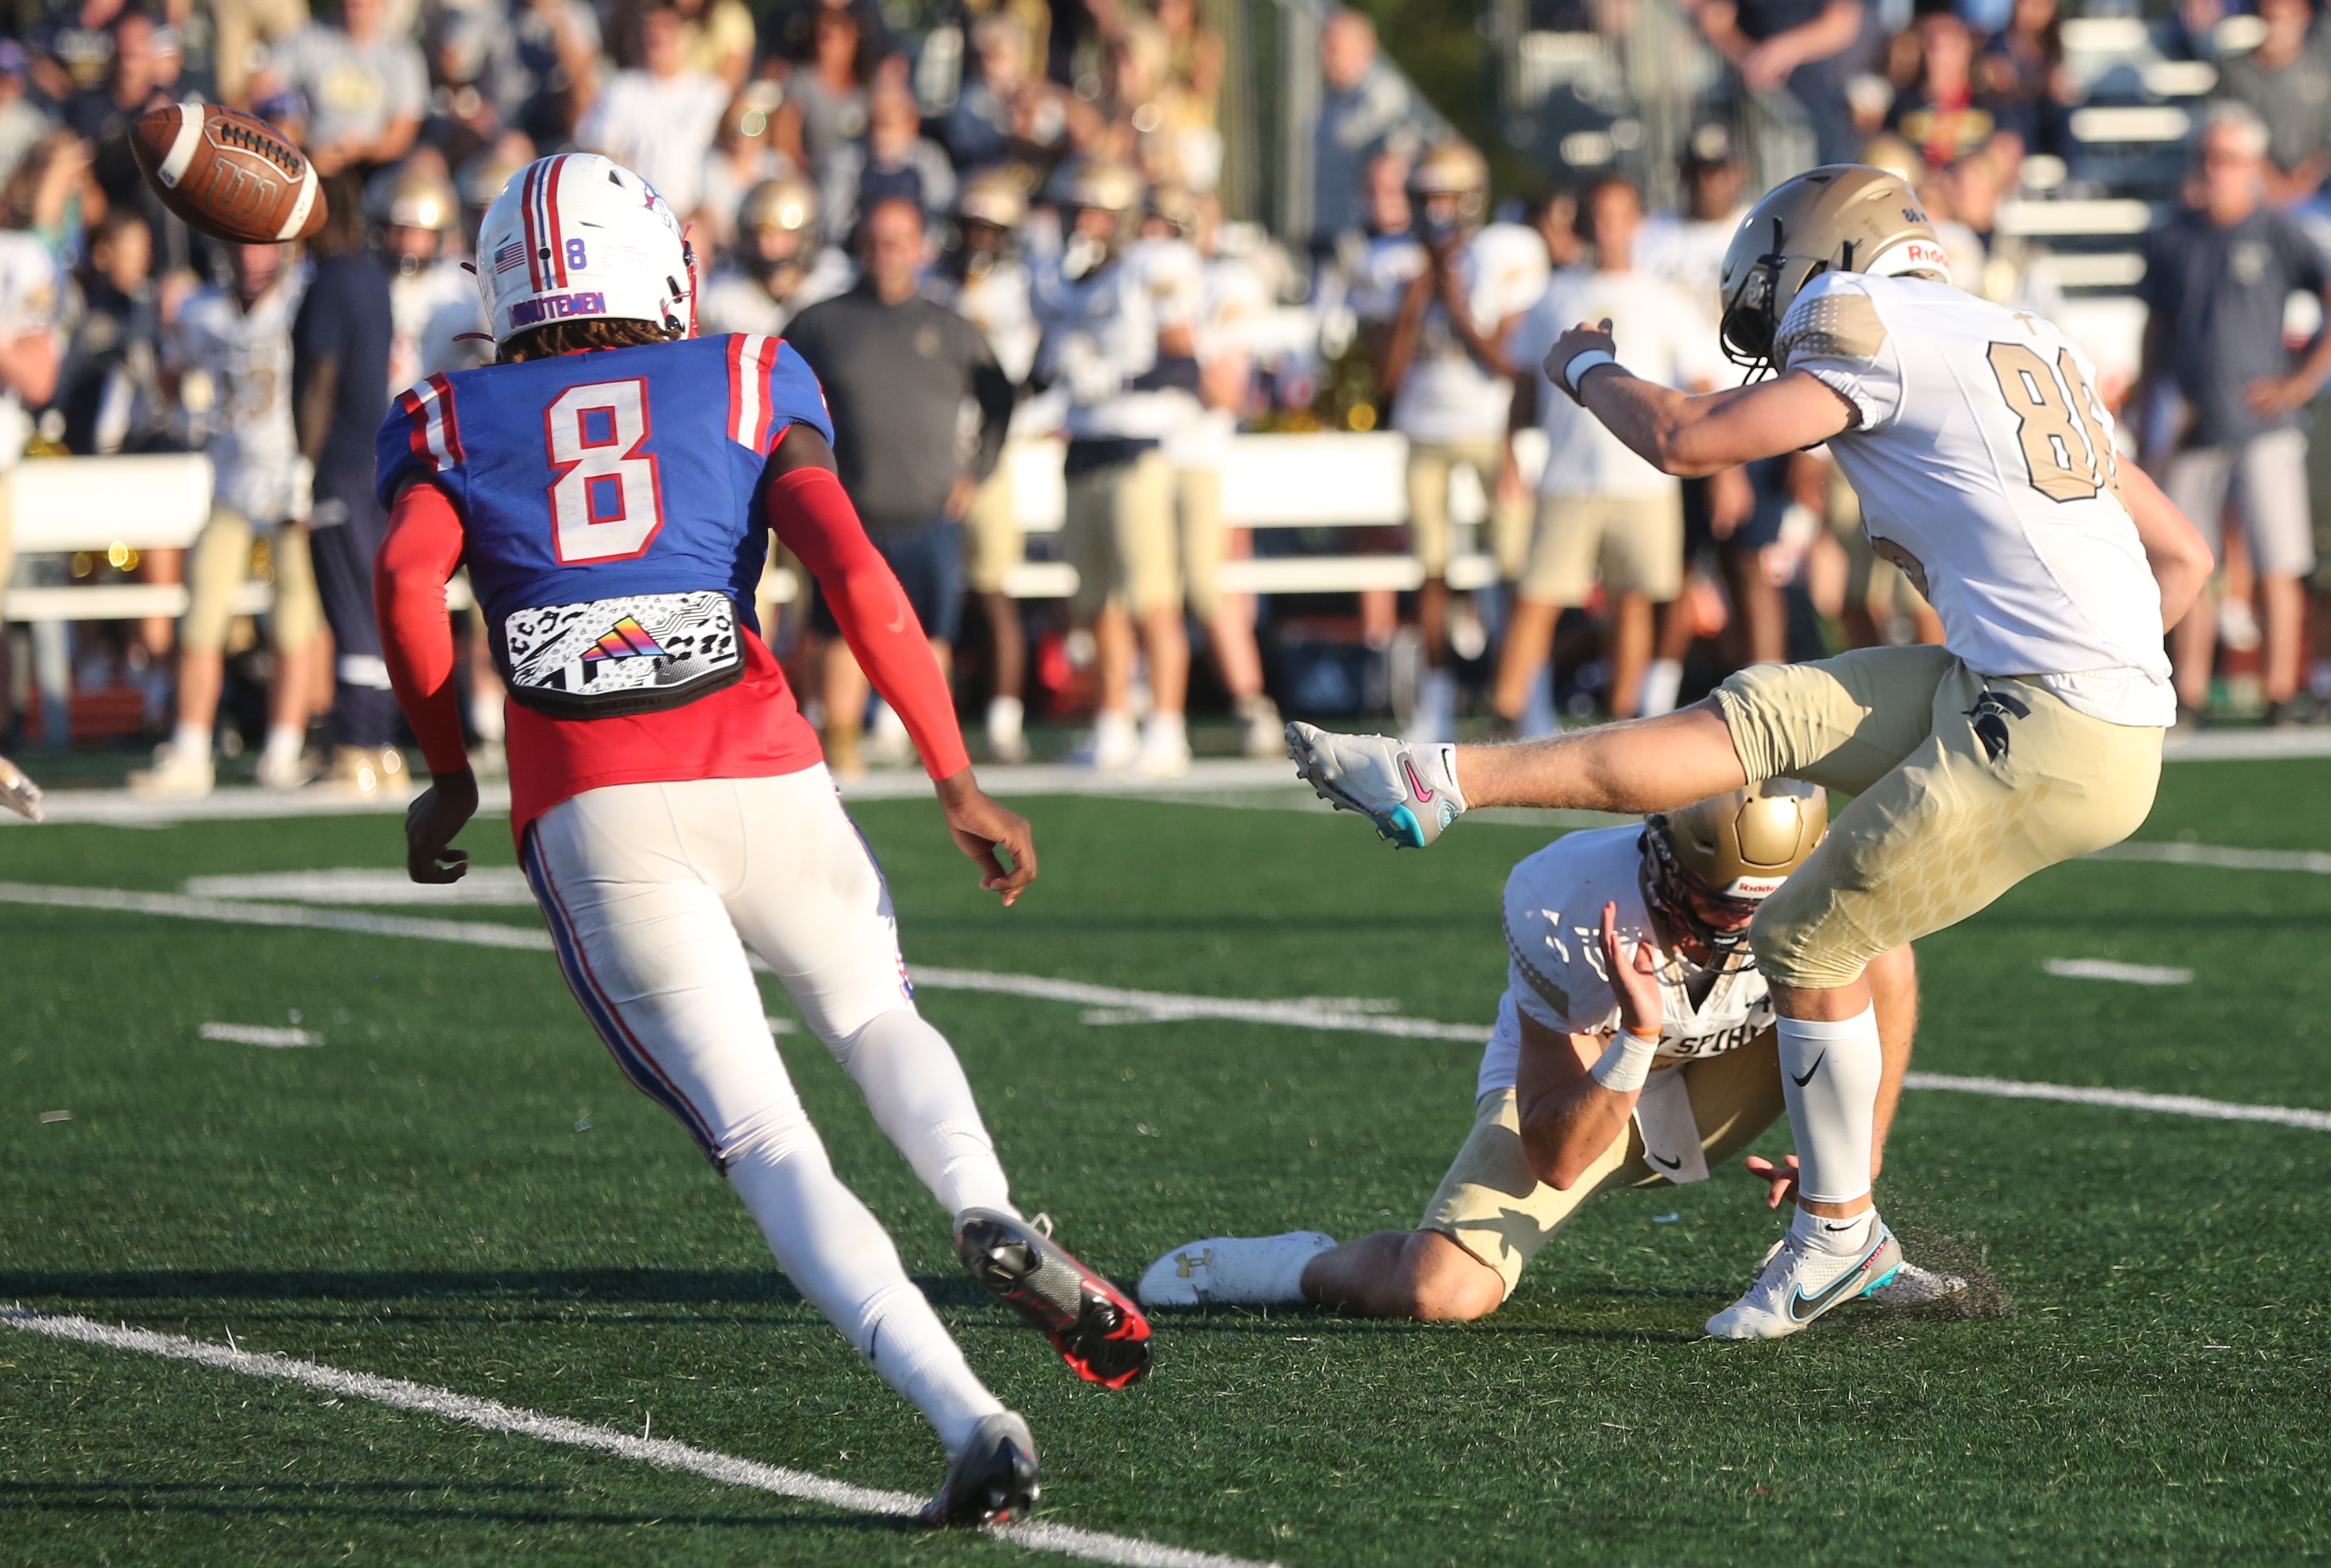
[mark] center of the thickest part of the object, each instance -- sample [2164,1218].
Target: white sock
[1162,729]
[1826,1235]
[1258,1270]
[191,739]
[284,742]
[1828,1076]
[921,1099]
[1005,718]
[1661,683]
[842,1260]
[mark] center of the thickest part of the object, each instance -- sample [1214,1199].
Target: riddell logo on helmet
[556,307]
[1755,887]
[1932,255]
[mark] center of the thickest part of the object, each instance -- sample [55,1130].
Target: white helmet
[580,237]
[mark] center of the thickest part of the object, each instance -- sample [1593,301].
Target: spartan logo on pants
[632,654]
[1989,716]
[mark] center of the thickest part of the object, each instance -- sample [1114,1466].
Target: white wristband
[1626,1062]
[1580,364]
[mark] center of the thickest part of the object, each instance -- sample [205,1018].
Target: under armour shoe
[1409,792]
[992,1482]
[1797,1283]
[1234,1271]
[1095,1326]
[18,794]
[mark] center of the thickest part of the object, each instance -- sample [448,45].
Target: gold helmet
[994,197]
[1841,218]
[1452,168]
[411,197]
[1102,185]
[1734,849]
[1173,204]
[786,205]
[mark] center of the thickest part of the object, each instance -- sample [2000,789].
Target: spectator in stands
[364,88]
[1155,122]
[556,45]
[893,161]
[30,348]
[1123,348]
[981,274]
[244,32]
[473,72]
[1195,53]
[341,341]
[826,97]
[1367,108]
[1439,305]
[101,116]
[897,370]
[1603,512]
[1797,46]
[719,38]
[22,124]
[744,155]
[978,129]
[2022,68]
[2216,282]
[229,355]
[50,192]
[72,46]
[2286,82]
[658,121]
[1941,114]
[109,390]
[780,265]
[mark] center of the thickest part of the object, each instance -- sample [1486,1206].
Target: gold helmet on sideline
[786,204]
[1733,849]
[1842,218]
[995,197]
[411,197]
[1452,168]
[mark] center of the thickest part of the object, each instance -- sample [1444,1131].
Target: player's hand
[1782,1178]
[1580,339]
[1634,976]
[2271,397]
[959,496]
[981,828]
[430,823]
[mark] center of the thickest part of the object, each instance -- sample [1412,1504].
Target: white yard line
[267,1035]
[2127,974]
[1346,1015]
[1067,1540]
[2219,855]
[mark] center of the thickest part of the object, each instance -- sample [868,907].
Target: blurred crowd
[1061,199]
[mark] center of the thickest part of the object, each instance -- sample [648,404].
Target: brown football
[227,174]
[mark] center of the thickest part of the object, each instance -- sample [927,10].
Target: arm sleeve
[814,519]
[422,550]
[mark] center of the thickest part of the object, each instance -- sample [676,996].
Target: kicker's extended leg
[921,1099]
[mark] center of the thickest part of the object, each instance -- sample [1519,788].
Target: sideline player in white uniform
[780,266]
[1986,470]
[433,298]
[234,343]
[31,349]
[669,800]
[1635,928]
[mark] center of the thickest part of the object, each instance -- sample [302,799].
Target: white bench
[61,506]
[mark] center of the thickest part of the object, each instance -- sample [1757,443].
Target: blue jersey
[610,509]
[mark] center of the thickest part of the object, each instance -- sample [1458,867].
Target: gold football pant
[1491,1204]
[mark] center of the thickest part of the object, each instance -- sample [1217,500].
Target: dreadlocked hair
[556,337]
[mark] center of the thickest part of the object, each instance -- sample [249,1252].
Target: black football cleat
[1095,1326]
[992,1482]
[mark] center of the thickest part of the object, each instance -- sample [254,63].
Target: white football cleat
[1262,731]
[1234,1271]
[1113,746]
[176,775]
[1797,1284]
[1409,792]
[17,793]
[1164,747]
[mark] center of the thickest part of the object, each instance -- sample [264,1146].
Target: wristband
[1580,364]
[1626,1062]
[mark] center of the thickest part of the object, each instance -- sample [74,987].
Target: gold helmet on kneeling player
[1838,218]
[1708,865]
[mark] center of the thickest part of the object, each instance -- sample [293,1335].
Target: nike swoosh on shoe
[1822,1298]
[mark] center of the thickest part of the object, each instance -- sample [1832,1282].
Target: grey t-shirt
[2294,101]
[895,379]
[352,88]
[2221,293]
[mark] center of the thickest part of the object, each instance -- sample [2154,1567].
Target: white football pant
[648,889]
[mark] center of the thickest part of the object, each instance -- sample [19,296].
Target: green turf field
[421,1198]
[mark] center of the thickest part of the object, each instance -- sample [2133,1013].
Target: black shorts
[928,560]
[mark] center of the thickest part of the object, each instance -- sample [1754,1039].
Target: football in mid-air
[231,176]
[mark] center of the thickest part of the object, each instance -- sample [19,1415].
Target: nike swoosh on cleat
[1820,1299]
[1801,1082]
[1415,784]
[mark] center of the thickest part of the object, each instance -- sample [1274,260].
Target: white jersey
[244,424]
[30,302]
[1688,253]
[1447,395]
[1100,338]
[1986,470]
[734,301]
[1555,970]
[1234,304]
[431,308]
[997,303]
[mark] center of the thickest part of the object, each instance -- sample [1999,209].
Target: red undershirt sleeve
[812,516]
[423,549]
